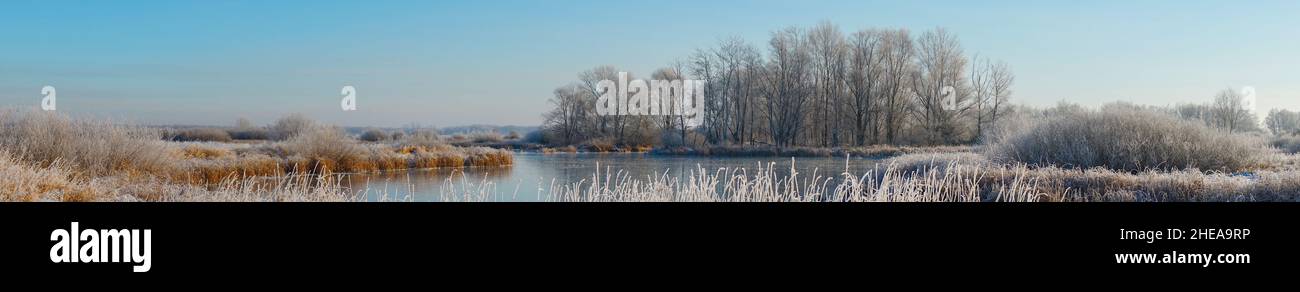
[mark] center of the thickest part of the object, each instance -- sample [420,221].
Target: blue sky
[471,62]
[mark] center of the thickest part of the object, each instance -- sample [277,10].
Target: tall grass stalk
[765,185]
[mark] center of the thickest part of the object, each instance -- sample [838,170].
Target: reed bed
[1072,184]
[24,182]
[53,157]
[765,185]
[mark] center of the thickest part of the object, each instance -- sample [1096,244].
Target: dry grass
[48,156]
[24,182]
[565,149]
[324,149]
[764,185]
[923,163]
[284,188]
[200,134]
[200,151]
[290,126]
[93,148]
[485,137]
[1057,184]
[211,171]
[328,149]
[426,138]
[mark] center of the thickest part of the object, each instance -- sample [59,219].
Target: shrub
[598,145]
[537,137]
[485,137]
[23,182]
[1123,137]
[428,138]
[373,135]
[249,134]
[328,149]
[1290,145]
[91,147]
[201,135]
[290,126]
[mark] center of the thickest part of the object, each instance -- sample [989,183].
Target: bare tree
[608,125]
[1000,80]
[706,64]
[1283,122]
[567,121]
[980,87]
[829,54]
[1229,112]
[812,87]
[864,78]
[896,54]
[785,85]
[740,66]
[990,83]
[940,65]
[672,94]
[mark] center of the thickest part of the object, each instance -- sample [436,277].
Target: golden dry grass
[25,182]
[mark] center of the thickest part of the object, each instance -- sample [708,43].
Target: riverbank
[212,162]
[49,156]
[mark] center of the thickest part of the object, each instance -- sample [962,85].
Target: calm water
[531,177]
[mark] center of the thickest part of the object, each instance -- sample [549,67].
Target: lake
[533,175]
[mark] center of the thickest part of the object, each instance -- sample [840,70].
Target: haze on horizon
[457,62]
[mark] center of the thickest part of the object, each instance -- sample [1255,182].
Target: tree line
[1283,122]
[808,87]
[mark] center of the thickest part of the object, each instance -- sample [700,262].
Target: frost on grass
[1124,138]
